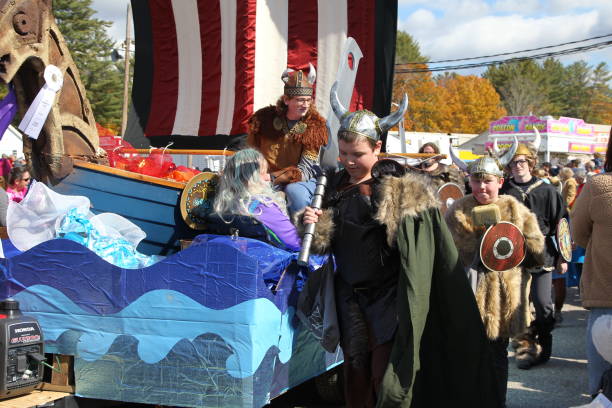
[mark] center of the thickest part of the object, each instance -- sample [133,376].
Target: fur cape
[502,297]
[261,125]
[400,197]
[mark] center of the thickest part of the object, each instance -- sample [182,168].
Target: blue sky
[447,29]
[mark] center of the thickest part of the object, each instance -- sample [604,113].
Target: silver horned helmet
[364,122]
[486,164]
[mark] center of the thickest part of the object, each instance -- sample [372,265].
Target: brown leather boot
[527,353]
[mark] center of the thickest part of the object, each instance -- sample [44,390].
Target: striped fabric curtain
[204,66]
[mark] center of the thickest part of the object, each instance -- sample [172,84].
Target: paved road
[560,383]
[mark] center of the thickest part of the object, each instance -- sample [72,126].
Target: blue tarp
[210,326]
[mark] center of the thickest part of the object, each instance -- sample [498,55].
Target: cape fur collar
[402,197]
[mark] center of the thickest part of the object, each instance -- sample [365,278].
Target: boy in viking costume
[502,297]
[409,325]
[535,346]
[289,136]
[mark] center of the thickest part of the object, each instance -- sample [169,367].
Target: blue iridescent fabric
[119,252]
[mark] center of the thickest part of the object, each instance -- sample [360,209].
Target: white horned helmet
[364,122]
[528,149]
[486,164]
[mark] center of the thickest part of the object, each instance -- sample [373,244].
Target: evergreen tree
[522,87]
[407,49]
[91,47]
[553,73]
[576,85]
[600,110]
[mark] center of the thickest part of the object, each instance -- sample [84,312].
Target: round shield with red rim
[448,194]
[502,247]
[564,240]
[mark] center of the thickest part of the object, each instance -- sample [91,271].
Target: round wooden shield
[200,190]
[564,240]
[502,247]
[449,193]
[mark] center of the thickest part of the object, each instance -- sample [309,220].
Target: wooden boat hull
[149,202]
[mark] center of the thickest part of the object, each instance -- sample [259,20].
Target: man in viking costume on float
[535,346]
[289,135]
[409,325]
[497,238]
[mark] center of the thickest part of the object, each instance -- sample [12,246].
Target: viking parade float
[95,250]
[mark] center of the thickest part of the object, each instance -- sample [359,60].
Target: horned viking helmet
[486,164]
[364,122]
[297,83]
[527,149]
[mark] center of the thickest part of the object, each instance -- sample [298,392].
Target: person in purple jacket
[245,189]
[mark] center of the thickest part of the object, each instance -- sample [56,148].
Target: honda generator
[21,351]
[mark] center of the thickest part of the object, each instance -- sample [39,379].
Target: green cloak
[440,356]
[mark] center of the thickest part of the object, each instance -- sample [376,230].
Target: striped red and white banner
[204,66]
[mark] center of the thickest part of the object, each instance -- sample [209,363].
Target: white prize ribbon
[37,113]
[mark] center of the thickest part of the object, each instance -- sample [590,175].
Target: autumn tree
[426,101]
[471,102]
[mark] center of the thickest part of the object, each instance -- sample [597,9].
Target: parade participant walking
[592,229]
[502,297]
[18,182]
[245,189]
[535,347]
[409,325]
[439,173]
[570,186]
[289,135]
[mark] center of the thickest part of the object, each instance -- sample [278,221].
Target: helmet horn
[312,74]
[337,107]
[496,147]
[506,157]
[285,75]
[537,141]
[460,163]
[391,120]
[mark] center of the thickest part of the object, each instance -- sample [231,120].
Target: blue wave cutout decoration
[219,273]
[160,319]
[138,335]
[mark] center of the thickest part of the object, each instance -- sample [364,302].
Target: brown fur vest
[502,297]
[282,147]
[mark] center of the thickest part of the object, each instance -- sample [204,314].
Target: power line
[568,51]
[509,53]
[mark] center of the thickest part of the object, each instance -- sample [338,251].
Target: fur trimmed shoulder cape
[502,297]
[400,197]
[440,355]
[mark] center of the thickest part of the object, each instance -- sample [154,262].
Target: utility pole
[126,74]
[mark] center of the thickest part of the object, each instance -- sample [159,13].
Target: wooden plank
[52,387]
[413,155]
[179,151]
[3,233]
[64,365]
[32,399]
[129,174]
